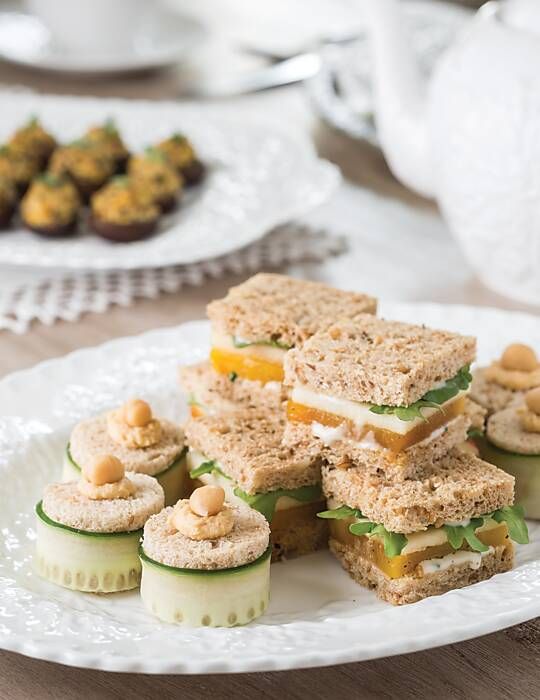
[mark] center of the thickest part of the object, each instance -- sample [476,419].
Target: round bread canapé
[206,562]
[88,531]
[512,446]
[161,455]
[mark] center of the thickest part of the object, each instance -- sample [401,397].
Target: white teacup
[91,26]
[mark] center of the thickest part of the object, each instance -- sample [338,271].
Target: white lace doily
[51,295]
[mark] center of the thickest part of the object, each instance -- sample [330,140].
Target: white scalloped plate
[258,177]
[317,615]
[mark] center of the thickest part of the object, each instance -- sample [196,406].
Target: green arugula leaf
[432,399]
[393,541]
[475,433]
[265,503]
[458,533]
[514,517]
[207,468]
[239,343]
[340,513]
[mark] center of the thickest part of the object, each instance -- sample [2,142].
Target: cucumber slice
[174,479]
[195,598]
[525,469]
[94,562]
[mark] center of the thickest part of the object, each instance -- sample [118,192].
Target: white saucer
[161,42]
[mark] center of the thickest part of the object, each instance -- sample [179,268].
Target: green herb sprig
[238,343]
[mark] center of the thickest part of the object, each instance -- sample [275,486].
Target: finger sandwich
[380,394]
[423,537]
[243,453]
[254,326]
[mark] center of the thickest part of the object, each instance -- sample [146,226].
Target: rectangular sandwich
[243,453]
[424,537]
[253,327]
[380,394]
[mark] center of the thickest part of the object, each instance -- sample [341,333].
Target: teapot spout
[400,97]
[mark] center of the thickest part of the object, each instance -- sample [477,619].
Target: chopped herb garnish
[233,376]
[432,399]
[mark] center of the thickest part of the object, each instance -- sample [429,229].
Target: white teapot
[471,137]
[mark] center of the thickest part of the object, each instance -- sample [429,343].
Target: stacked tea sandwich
[235,435]
[411,514]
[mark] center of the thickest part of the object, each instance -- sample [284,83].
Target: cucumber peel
[85,533]
[177,571]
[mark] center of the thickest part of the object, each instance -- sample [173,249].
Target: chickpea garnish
[137,413]
[207,500]
[105,469]
[519,357]
[532,400]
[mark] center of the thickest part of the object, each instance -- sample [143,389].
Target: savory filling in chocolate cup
[119,212]
[143,443]
[181,154]
[156,178]
[206,563]
[107,140]
[51,206]
[88,167]
[34,140]
[18,166]
[88,531]
[8,201]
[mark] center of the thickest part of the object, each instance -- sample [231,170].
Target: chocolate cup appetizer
[106,139]
[86,166]
[156,178]
[8,202]
[194,173]
[19,167]
[51,206]
[120,214]
[34,140]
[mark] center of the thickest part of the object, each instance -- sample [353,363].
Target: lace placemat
[51,295]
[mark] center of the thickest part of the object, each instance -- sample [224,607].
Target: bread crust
[247,541]
[248,446]
[65,504]
[216,393]
[90,439]
[377,361]
[303,535]
[271,306]
[456,487]
[411,463]
[505,431]
[409,589]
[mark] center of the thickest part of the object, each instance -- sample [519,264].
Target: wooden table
[505,664]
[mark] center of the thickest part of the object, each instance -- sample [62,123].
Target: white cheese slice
[472,559]
[221,341]
[195,459]
[359,413]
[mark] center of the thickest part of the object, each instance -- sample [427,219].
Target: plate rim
[430,639]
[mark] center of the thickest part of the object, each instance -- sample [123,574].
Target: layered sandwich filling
[392,427]
[281,507]
[431,550]
[258,360]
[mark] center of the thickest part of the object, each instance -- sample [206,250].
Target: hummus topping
[529,414]
[204,516]
[133,426]
[104,479]
[518,368]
